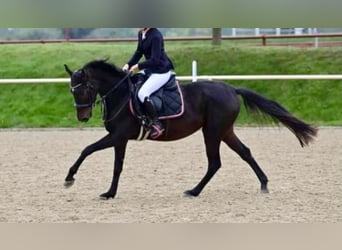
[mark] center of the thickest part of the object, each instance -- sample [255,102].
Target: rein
[116,86]
[104,103]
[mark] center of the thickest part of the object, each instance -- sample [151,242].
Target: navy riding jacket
[152,48]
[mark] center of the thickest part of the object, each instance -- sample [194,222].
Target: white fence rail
[189,78]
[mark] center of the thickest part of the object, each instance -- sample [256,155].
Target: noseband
[91,102]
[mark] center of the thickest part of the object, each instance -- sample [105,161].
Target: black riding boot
[157,127]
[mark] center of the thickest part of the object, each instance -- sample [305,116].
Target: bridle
[103,101]
[91,102]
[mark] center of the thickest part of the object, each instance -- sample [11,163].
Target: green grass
[51,105]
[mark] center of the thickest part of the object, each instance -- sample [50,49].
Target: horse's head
[84,92]
[95,77]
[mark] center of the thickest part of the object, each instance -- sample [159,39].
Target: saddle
[168,100]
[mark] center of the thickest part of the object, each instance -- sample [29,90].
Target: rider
[157,66]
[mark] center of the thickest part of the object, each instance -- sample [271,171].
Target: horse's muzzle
[84,119]
[83,115]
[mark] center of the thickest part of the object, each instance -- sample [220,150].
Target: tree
[216,36]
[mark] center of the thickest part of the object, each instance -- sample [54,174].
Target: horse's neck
[111,85]
[115,90]
[115,99]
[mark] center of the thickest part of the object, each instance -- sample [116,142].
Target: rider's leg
[152,84]
[152,114]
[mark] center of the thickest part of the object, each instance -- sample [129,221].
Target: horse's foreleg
[235,144]
[103,143]
[119,152]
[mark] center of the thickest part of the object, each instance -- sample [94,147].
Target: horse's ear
[68,70]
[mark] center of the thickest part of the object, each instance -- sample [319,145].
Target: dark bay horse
[212,106]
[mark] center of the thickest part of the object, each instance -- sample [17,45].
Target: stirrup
[156,131]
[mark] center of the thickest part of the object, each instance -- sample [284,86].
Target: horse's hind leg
[235,144]
[214,163]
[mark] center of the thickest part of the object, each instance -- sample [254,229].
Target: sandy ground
[305,183]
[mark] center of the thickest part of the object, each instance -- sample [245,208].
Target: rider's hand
[125,67]
[135,67]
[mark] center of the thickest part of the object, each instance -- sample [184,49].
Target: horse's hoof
[106,196]
[190,193]
[68,184]
[264,191]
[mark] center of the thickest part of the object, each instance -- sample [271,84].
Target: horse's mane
[104,65]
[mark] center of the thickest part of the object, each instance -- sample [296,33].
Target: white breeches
[152,84]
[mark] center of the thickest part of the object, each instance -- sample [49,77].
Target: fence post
[194,71]
[67,34]
[316,38]
[263,40]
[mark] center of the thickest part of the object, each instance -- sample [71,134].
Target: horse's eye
[90,84]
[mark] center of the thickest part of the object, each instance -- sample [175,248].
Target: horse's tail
[256,103]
